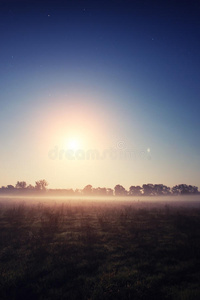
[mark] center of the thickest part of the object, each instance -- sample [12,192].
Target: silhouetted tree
[3,189]
[41,185]
[10,187]
[160,189]
[30,187]
[135,190]
[193,189]
[21,184]
[148,189]
[184,189]
[120,190]
[87,190]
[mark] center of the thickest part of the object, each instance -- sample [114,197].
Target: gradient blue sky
[114,74]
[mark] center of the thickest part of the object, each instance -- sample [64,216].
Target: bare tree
[21,184]
[41,185]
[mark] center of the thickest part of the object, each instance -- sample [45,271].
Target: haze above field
[106,202]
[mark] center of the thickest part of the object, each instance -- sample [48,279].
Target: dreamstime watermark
[95,154]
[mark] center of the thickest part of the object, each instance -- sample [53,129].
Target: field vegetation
[99,250]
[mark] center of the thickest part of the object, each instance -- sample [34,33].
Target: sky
[119,78]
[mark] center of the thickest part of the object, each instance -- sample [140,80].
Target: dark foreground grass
[98,251]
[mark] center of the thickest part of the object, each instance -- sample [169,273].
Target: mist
[190,201]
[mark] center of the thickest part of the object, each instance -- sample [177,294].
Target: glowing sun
[73,144]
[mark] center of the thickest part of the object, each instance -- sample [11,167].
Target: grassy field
[99,250]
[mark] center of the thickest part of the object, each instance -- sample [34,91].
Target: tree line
[41,186]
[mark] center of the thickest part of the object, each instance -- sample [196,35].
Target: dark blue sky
[139,62]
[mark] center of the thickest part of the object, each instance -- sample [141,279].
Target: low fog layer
[144,202]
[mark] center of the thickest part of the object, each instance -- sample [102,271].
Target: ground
[99,250]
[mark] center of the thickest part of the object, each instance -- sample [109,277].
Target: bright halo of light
[73,144]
